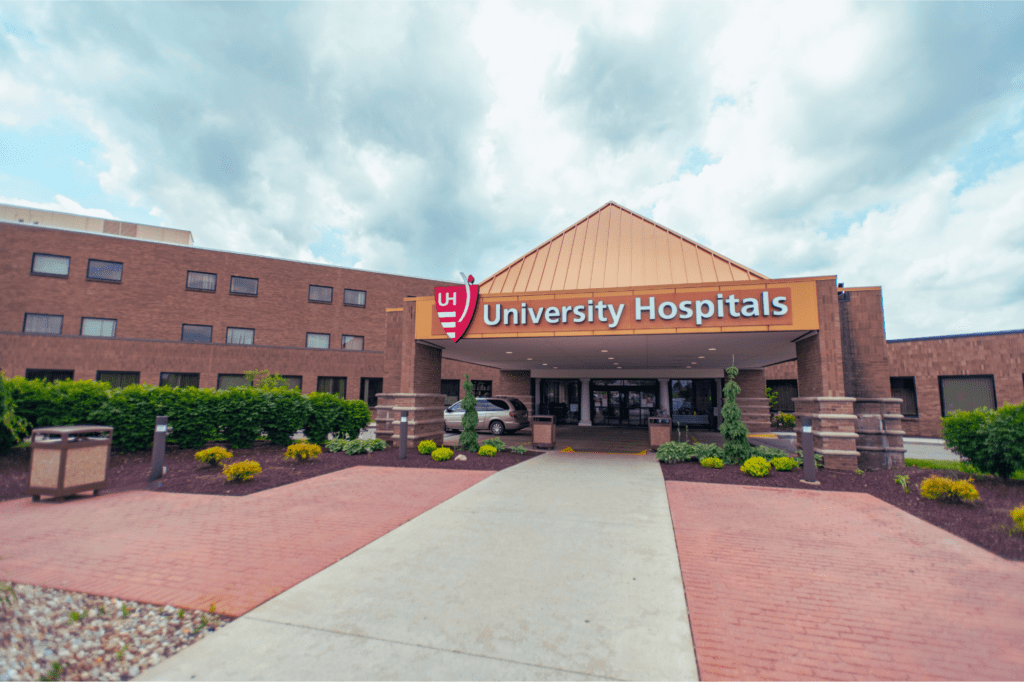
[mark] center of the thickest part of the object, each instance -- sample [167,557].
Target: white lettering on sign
[697,310]
[161,428]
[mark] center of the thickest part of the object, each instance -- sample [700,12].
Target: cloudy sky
[882,143]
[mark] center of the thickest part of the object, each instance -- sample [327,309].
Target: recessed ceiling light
[604,351]
[529,358]
[712,349]
[701,357]
[544,363]
[611,358]
[508,352]
[554,368]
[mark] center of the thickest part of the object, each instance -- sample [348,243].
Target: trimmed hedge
[196,415]
[991,440]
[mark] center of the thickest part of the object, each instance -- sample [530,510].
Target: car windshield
[457,407]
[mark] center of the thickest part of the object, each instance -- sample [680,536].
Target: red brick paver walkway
[195,550]
[796,584]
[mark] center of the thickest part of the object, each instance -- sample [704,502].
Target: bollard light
[403,434]
[159,447]
[807,445]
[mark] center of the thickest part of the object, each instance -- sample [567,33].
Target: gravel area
[89,637]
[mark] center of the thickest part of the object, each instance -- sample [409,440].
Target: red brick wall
[781,371]
[1001,355]
[865,362]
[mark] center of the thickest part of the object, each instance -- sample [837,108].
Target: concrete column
[666,404]
[833,425]
[585,402]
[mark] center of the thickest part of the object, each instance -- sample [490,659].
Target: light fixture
[611,358]
[544,363]
[529,358]
[508,352]
[604,351]
[712,349]
[701,357]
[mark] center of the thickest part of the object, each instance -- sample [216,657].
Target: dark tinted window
[967,393]
[179,379]
[334,385]
[518,404]
[118,379]
[226,381]
[319,294]
[105,270]
[355,297]
[196,333]
[499,404]
[904,387]
[50,374]
[247,286]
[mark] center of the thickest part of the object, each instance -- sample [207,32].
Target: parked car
[497,415]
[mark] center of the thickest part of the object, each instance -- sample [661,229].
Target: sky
[882,143]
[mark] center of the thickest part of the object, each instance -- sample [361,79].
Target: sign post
[159,447]
[807,446]
[403,434]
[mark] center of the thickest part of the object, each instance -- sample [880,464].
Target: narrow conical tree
[733,429]
[467,439]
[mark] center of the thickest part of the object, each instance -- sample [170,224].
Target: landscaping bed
[985,522]
[130,471]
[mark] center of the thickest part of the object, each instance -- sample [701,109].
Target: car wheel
[497,428]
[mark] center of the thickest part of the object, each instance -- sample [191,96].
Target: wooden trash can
[69,459]
[660,430]
[543,431]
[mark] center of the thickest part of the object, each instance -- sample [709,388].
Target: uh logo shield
[455,306]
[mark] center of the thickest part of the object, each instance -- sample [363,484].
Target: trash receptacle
[660,429]
[69,459]
[543,431]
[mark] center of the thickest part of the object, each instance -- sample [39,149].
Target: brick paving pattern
[195,550]
[800,585]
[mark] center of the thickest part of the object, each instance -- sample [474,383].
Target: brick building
[611,321]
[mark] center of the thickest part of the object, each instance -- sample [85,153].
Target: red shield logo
[455,307]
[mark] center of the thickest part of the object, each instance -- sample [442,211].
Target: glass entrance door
[694,402]
[622,402]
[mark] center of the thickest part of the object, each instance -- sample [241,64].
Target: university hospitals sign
[754,306]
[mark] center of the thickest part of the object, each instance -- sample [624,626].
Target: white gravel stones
[90,637]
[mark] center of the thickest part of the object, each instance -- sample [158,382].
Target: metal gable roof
[614,247]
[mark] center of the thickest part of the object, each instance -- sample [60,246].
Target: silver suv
[497,415]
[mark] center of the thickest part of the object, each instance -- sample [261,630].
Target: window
[242,336]
[293,381]
[50,266]
[967,393]
[98,326]
[369,387]
[226,381]
[179,379]
[351,342]
[355,297]
[118,379]
[104,270]
[450,388]
[787,390]
[904,387]
[318,340]
[50,374]
[196,333]
[244,286]
[43,324]
[482,389]
[335,385]
[321,294]
[201,281]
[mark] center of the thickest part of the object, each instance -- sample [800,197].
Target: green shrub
[767,452]
[242,471]
[303,451]
[467,439]
[12,427]
[757,467]
[285,412]
[712,463]
[519,450]
[336,444]
[241,412]
[487,451]
[378,444]
[991,440]
[736,449]
[941,488]
[441,454]
[354,417]
[132,414]
[264,379]
[362,447]
[702,450]
[1017,515]
[58,403]
[903,481]
[962,433]
[191,412]
[330,414]
[783,420]
[213,456]
[783,463]
[673,452]
[426,447]
[496,443]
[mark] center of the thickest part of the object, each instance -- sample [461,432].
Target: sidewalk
[562,567]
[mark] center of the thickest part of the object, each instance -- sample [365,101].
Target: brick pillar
[819,356]
[879,432]
[833,425]
[753,402]
[515,384]
[414,369]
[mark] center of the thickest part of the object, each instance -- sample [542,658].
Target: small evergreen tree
[467,439]
[733,429]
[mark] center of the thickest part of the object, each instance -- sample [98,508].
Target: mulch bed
[984,522]
[130,471]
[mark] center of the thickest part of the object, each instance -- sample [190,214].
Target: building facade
[612,321]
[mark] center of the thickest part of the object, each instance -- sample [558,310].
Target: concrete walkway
[563,567]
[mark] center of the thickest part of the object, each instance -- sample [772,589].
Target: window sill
[235,293]
[354,305]
[100,279]
[202,291]
[322,302]
[44,274]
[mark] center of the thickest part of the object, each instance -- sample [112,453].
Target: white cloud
[61,204]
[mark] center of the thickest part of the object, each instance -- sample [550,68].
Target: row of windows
[36,323]
[49,265]
[369,387]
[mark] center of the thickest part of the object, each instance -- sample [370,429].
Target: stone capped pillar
[752,401]
[585,402]
[833,425]
[879,432]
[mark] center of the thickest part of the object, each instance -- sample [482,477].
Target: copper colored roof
[615,248]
